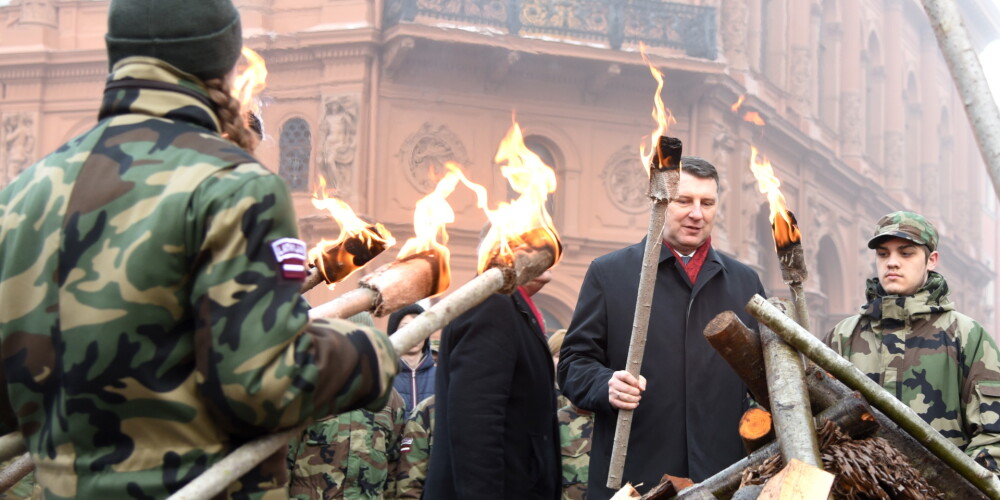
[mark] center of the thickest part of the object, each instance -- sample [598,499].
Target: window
[295,149]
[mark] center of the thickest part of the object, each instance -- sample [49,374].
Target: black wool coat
[496,434]
[687,421]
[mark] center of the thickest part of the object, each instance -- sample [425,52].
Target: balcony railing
[691,28]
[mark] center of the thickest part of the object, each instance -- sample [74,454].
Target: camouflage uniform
[349,456]
[151,320]
[576,427]
[936,360]
[415,450]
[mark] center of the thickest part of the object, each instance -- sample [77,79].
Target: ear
[932,260]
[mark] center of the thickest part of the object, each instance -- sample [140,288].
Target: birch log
[826,358]
[16,471]
[970,80]
[740,347]
[792,415]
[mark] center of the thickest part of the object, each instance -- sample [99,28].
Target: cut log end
[756,429]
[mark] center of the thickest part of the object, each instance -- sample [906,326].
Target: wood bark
[829,360]
[16,471]
[970,80]
[358,300]
[312,279]
[793,423]
[740,347]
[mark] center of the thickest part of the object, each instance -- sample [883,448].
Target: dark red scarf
[693,267]
[538,314]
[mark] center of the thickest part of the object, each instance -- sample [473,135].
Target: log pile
[864,452]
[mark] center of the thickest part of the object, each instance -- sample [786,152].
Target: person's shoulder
[630,252]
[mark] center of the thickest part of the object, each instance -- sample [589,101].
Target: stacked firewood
[825,440]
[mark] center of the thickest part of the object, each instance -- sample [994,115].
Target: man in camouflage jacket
[910,339]
[149,276]
[415,450]
[350,456]
[576,428]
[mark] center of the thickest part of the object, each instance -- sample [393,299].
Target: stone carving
[734,32]
[18,143]
[425,153]
[338,132]
[37,12]
[802,74]
[895,158]
[851,126]
[626,180]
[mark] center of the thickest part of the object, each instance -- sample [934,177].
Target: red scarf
[693,267]
[531,304]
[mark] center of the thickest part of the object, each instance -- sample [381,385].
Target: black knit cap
[398,316]
[201,37]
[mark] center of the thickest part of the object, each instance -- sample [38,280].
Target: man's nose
[696,212]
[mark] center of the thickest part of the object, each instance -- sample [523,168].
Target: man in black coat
[687,400]
[495,433]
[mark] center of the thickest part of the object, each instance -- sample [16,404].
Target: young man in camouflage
[149,276]
[910,339]
[415,450]
[350,456]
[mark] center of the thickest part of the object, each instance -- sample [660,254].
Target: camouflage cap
[906,225]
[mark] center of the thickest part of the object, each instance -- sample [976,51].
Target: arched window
[296,147]
[831,284]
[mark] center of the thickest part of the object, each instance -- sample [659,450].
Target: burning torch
[664,160]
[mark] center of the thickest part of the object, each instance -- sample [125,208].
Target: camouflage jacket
[936,360]
[151,317]
[415,450]
[348,456]
[576,427]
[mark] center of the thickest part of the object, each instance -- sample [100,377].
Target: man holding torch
[150,273]
[687,401]
[910,339]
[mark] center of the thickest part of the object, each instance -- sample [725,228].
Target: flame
[524,222]
[750,116]
[754,118]
[661,114]
[250,82]
[786,231]
[739,102]
[357,244]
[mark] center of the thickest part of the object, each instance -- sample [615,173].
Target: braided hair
[234,124]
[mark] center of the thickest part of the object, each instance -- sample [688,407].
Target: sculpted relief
[18,141]
[338,132]
[425,153]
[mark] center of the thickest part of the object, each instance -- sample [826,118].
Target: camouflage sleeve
[415,451]
[840,336]
[263,365]
[981,397]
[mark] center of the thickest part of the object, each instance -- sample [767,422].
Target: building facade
[374,96]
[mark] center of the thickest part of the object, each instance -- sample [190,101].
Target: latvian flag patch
[405,446]
[291,256]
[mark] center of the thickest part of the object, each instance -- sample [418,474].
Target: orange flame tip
[785,232]
[661,114]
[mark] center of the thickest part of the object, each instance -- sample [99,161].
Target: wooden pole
[347,305]
[664,175]
[970,80]
[793,422]
[756,429]
[825,357]
[15,472]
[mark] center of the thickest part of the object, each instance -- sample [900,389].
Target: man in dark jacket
[415,381]
[495,432]
[691,400]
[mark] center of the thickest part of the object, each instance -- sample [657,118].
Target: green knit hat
[201,37]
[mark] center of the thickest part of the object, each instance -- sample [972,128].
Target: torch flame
[750,116]
[661,114]
[524,222]
[250,82]
[357,243]
[786,231]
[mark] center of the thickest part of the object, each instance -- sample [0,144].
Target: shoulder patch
[290,253]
